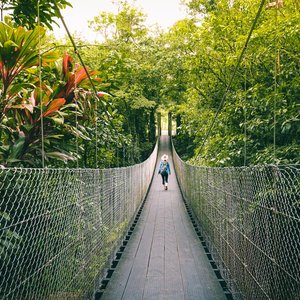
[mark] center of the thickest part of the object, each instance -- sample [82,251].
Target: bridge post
[170,123]
[158,124]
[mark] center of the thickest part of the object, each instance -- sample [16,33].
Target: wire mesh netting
[251,219]
[60,227]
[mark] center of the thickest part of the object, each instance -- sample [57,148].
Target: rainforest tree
[259,121]
[24,12]
[126,58]
[186,70]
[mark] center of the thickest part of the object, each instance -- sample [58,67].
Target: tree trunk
[152,128]
[178,123]
[170,123]
[158,124]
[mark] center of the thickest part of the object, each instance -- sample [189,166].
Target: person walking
[164,170]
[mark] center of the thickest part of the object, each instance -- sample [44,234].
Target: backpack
[164,167]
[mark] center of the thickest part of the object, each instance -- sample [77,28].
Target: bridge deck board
[164,258]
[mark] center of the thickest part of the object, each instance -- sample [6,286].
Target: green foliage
[127,25]
[255,108]
[185,70]
[24,12]
[126,59]
[54,115]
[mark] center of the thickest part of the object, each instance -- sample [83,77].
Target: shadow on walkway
[164,258]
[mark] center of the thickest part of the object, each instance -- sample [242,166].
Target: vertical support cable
[96,130]
[76,113]
[276,68]
[245,120]
[40,85]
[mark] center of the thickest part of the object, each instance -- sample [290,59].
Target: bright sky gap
[162,12]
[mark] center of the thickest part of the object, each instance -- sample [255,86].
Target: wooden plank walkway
[164,258]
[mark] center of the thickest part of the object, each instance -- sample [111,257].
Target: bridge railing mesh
[60,227]
[251,219]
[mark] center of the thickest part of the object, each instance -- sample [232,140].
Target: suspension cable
[233,75]
[40,84]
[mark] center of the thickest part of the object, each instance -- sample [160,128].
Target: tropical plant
[37,115]
[25,12]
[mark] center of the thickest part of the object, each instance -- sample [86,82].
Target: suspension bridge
[216,233]
[117,234]
[164,259]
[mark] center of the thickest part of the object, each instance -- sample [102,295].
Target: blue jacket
[167,167]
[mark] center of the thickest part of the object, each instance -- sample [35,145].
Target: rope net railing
[61,227]
[250,217]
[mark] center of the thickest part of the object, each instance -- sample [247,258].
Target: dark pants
[164,176]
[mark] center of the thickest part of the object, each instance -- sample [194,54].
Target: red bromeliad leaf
[67,66]
[81,75]
[69,87]
[76,79]
[54,106]
[73,77]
